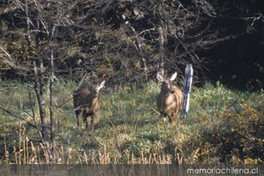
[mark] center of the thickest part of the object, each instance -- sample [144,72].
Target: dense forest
[125,41]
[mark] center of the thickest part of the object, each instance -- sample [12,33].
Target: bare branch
[16,116]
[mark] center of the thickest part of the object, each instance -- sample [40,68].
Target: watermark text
[223,170]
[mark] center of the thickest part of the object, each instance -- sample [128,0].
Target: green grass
[223,126]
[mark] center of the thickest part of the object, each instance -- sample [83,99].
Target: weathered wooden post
[187,90]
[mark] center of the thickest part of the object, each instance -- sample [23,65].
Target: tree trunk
[40,93]
[38,78]
[162,52]
[138,45]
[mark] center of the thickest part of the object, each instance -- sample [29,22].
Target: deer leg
[92,122]
[77,113]
[170,118]
[173,118]
[163,114]
[163,117]
[85,116]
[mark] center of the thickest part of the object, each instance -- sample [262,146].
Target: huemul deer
[85,101]
[170,98]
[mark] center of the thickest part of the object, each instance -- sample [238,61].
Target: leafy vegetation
[119,40]
[223,126]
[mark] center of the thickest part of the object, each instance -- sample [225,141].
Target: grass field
[223,126]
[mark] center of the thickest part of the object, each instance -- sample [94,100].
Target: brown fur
[169,100]
[85,102]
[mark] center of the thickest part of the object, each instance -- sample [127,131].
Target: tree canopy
[126,41]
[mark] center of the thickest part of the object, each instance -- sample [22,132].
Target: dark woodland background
[127,41]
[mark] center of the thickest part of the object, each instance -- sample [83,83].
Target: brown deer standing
[85,101]
[170,98]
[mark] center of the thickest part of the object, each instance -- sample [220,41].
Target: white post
[187,90]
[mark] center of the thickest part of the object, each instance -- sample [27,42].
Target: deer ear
[159,77]
[173,77]
[102,85]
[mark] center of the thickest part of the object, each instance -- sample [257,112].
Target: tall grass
[223,126]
